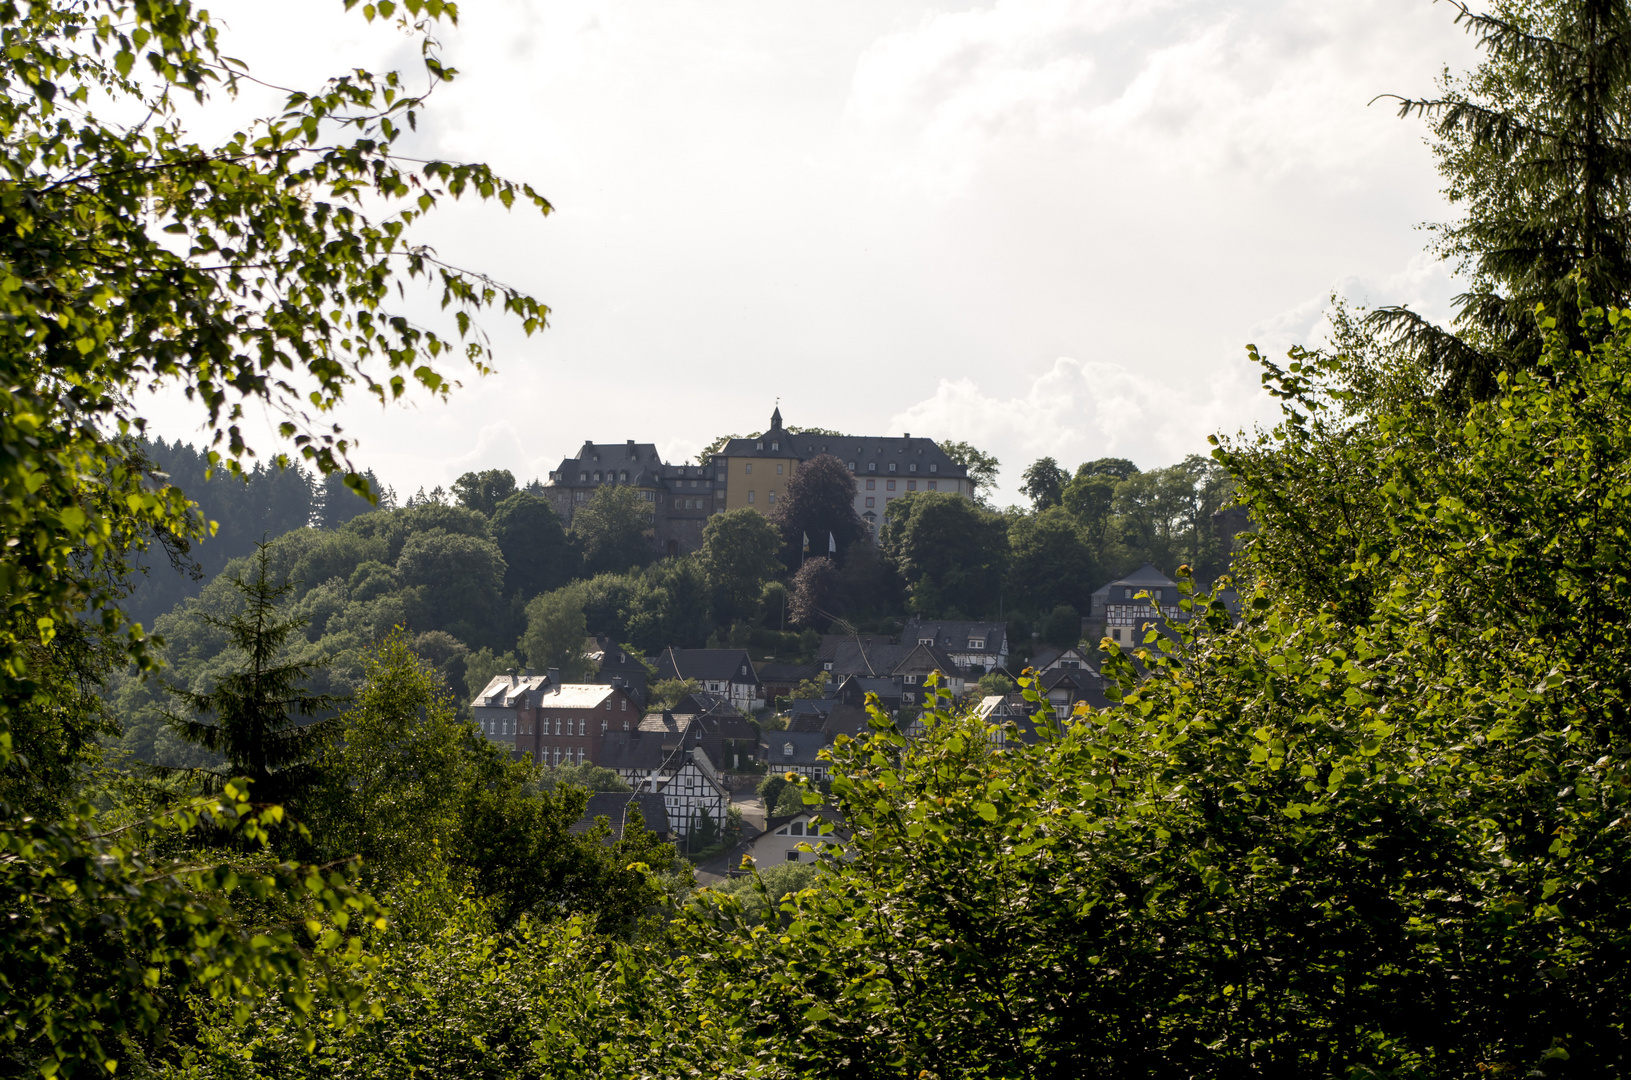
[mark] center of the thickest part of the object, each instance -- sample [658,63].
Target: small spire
[776,417]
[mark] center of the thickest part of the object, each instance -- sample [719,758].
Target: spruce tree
[1534,145]
[261,714]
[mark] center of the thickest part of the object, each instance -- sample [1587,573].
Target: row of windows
[558,756]
[872,466]
[772,499]
[749,468]
[911,485]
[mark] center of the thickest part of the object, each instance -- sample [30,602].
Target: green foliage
[950,552]
[1062,626]
[483,491]
[537,556]
[982,467]
[770,790]
[739,560]
[555,634]
[459,583]
[996,683]
[1530,147]
[586,776]
[261,715]
[761,894]
[610,530]
[1044,483]
[790,800]
[1053,561]
[817,590]
[666,693]
[819,503]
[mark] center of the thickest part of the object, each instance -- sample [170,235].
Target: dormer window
[597,478]
[872,466]
[852,466]
[583,477]
[933,467]
[775,446]
[976,643]
[912,467]
[760,445]
[892,466]
[787,750]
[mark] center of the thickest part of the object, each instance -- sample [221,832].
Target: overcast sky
[1045,227]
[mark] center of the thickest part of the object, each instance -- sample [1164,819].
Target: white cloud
[1080,410]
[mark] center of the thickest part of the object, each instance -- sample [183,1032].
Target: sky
[1047,227]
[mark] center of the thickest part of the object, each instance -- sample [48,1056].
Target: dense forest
[1373,826]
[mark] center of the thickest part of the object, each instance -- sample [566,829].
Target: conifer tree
[259,712]
[1534,145]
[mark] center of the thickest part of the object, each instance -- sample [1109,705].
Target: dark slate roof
[925,658]
[613,805]
[857,451]
[772,672]
[706,703]
[848,720]
[806,745]
[732,725]
[1145,576]
[803,721]
[810,707]
[629,750]
[874,661]
[724,665]
[831,642]
[955,635]
[855,688]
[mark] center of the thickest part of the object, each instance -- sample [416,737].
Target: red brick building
[558,724]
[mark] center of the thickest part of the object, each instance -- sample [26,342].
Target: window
[934,485]
[750,496]
[608,704]
[911,485]
[625,705]
[778,470]
[750,468]
[583,722]
[792,855]
[925,641]
[580,755]
[912,467]
[933,467]
[909,680]
[870,501]
[625,725]
[890,485]
[798,828]
[976,642]
[759,445]
[597,478]
[583,476]
[893,466]
[872,466]
[624,476]
[1127,594]
[776,446]
[852,466]
[772,498]
[787,750]
[872,485]
[907,697]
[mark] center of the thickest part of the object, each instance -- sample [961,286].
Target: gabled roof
[956,635]
[925,658]
[1146,575]
[614,806]
[812,813]
[810,707]
[806,745]
[722,665]
[831,642]
[873,661]
[1053,654]
[572,696]
[505,692]
[803,721]
[629,750]
[770,671]
[847,720]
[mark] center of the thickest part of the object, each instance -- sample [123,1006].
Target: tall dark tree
[950,552]
[739,556]
[1044,483]
[610,530]
[259,719]
[816,592]
[537,556]
[1053,562]
[982,467]
[483,491]
[1535,145]
[819,502]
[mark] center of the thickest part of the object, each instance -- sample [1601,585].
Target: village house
[978,647]
[796,752]
[557,723]
[1124,609]
[683,775]
[728,672]
[616,807]
[816,827]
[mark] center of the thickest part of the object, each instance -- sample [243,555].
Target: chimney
[526,673]
[510,674]
[555,676]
